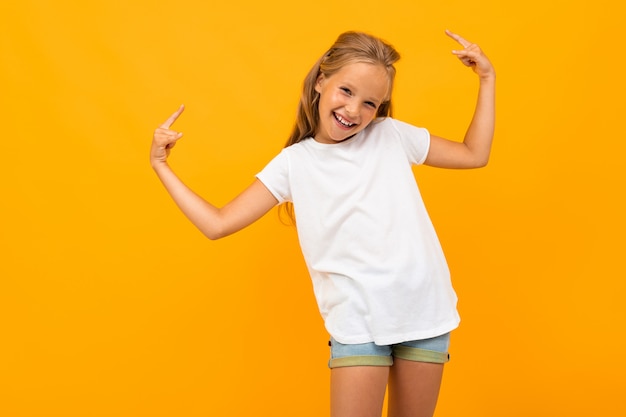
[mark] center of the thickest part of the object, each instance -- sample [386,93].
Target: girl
[378,271]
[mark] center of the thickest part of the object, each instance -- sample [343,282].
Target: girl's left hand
[473,57]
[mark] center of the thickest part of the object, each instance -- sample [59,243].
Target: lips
[343,121]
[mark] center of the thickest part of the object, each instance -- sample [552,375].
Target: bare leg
[414,388]
[358,391]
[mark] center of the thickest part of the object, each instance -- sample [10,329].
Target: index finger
[170,120]
[465,43]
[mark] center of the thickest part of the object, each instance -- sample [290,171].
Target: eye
[370,104]
[346,90]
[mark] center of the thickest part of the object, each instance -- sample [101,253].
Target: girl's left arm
[474,151]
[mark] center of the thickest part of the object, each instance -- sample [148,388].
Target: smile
[343,121]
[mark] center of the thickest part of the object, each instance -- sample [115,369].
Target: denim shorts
[433,350]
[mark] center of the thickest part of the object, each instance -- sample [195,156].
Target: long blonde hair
[349,48]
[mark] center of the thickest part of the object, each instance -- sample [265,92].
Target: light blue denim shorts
[433,350]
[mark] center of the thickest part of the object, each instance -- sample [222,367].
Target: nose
[351,108]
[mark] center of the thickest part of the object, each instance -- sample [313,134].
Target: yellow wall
[112,304]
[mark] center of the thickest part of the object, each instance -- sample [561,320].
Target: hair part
[349,48]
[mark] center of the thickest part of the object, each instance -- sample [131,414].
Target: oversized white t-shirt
[379,273]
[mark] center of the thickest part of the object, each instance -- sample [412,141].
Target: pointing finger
[170,120]
[465,43]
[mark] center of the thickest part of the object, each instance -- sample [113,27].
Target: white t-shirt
[379,273]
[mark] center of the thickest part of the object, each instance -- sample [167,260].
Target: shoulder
[382,123]
[389,126]
[293,153]
[414,140]
[290,155]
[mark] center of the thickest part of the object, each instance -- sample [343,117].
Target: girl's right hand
[164,139]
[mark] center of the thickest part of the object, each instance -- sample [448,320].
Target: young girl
[378,271]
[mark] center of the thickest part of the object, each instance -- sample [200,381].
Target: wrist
[488,77]
[159,165]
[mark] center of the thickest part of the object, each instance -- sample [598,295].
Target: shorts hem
[420,355]
[364,360]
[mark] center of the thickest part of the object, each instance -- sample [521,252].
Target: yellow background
[112,304]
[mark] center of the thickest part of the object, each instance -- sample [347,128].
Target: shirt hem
[392,340]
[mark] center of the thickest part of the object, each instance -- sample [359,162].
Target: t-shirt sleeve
[415,141]
[275,177]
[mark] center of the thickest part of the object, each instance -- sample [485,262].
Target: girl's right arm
[213,222]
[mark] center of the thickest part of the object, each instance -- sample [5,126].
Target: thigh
[358,379]
[414,388]
[358,391]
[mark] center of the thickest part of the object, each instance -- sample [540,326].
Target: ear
[318,83]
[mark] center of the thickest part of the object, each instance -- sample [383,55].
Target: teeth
[343,121]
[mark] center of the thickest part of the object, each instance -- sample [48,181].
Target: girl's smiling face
[349,100]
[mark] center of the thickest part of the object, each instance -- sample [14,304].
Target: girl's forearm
[479,135]
[201,213]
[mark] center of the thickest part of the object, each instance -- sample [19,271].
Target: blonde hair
[349,48]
